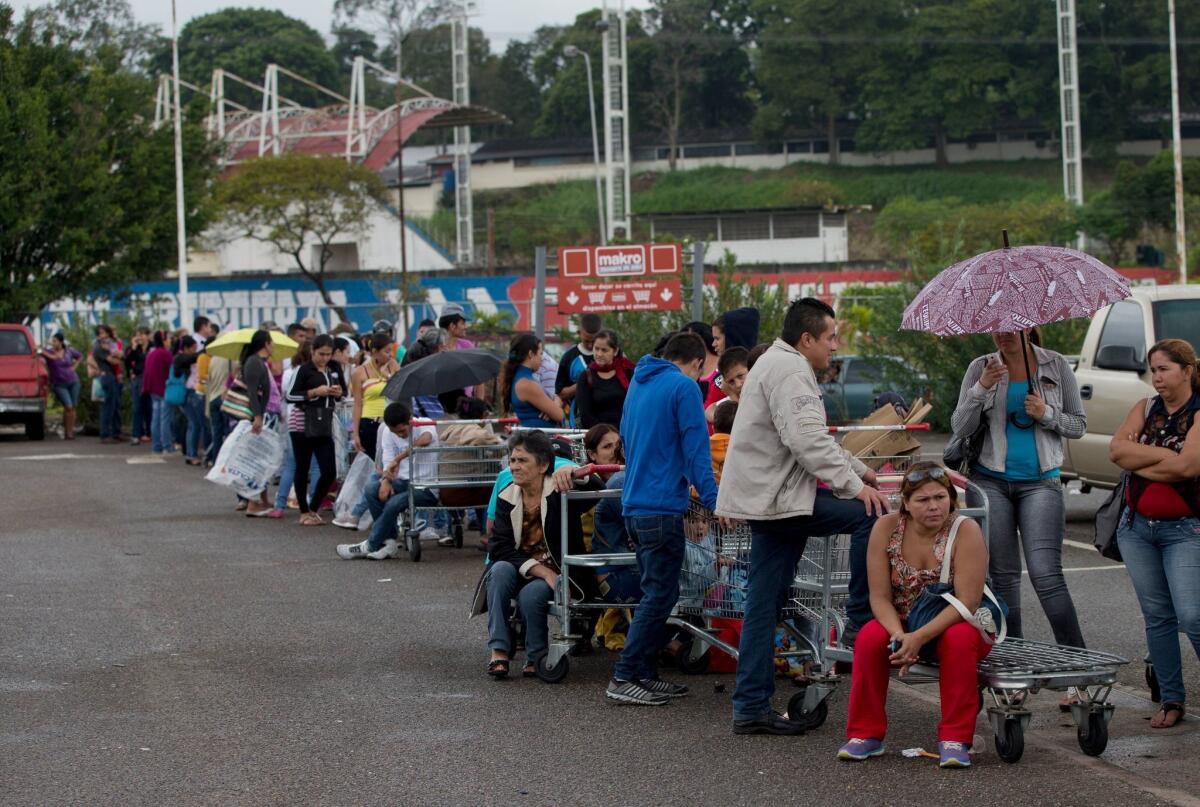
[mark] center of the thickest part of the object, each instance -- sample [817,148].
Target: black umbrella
[443,372]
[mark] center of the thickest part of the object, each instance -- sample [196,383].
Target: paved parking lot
[160,649]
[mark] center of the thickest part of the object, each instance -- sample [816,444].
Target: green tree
[943,74]
[300,204]
[810,75]
[244,41]
[89,199]
[91,25]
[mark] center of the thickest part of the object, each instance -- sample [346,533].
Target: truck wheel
[35,428]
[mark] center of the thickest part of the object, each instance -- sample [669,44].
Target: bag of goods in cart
[248,461]
[351,491]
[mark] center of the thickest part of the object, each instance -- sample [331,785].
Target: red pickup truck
[23,381]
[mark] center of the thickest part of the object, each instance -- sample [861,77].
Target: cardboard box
[873,448]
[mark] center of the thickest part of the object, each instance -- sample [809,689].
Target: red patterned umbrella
[1008,290]
[1011,289]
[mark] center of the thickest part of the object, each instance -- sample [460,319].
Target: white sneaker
[430,534]
[391,548]
[346,522]
[352,551]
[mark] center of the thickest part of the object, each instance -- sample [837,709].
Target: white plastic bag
[248,461]
[341,447]
[351,491]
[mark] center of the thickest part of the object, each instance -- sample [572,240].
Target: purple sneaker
[953,755]
[856,750]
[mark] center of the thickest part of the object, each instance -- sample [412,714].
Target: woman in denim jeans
[1018,469]
[1159,533]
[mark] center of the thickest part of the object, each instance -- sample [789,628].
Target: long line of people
[740,426]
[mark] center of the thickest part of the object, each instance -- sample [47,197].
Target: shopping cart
[574,436]
[1012,670]
[451,479]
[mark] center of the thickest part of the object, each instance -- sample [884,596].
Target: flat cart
[1012,670]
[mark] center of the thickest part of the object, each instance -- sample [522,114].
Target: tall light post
[571,52]
[1180,233]
[185,308]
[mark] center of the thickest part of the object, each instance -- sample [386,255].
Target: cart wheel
[1097,735]
[1010,743]
[1152,682]
[810,720]
[414,546]
[552,675]
[689,665]
[458,536]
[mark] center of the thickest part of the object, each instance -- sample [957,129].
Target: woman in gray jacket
[1019,456]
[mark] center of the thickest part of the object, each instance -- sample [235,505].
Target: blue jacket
[666,442]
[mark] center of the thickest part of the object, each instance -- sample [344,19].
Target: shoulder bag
[1108,516]
[176,391]
[318,418]
[989,618]
[236,403]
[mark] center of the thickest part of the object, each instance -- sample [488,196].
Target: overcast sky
[500,20]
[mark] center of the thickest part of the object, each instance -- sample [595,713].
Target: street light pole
[570,51]
[185,308]
[1180,239]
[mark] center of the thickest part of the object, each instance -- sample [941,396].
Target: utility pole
[185,307]
[616,119]
[1180,225]
[400,187]
[464,214]
[1068,76]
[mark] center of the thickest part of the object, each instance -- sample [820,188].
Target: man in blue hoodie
[666,450]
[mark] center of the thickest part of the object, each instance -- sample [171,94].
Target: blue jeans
[160,425]
[219,425]
[533,600]
[775,549]
[110,410]
[1036,512]
[386,513]
[1163,559]
[68,394]
[659,541]
[193,410]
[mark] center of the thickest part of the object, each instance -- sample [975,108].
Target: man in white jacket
[779,450]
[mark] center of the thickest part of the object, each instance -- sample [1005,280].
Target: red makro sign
[625,260]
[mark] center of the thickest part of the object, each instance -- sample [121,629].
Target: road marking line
[145,461]
[41,457]
[1089,568]
[1078,545]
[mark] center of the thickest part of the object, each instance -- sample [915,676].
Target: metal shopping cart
[573,436]
[1011,671]
[451,479]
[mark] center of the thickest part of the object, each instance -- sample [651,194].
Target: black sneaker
[661,687]
[770,723]
[633,692]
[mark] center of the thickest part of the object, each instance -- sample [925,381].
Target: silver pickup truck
[1112,370]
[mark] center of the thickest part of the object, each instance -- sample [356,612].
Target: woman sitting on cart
[520,393]
[525,546]
[905,554]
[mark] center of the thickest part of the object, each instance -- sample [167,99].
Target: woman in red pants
[905,555]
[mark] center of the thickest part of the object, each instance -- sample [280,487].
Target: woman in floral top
[905,555]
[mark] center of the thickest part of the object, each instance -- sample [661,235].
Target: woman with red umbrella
[1021,424]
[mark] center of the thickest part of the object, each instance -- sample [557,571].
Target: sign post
[628,277]
[699,250]
[538,307]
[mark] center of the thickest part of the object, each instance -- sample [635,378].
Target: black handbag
[1108,520]
[318,421]
[961,453]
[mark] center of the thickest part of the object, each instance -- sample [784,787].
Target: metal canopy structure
[616,120]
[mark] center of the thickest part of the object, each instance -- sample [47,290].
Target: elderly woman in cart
[906,554]
[524,547]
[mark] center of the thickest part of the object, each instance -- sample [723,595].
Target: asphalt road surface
[157,648]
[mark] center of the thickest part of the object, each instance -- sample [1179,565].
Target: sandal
[498,668]
[529,670]
[1166,710]
[1072,698]
[311,520]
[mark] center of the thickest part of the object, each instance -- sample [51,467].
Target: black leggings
[368,435]
[305,448]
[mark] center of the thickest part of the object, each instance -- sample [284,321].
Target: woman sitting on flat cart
[905,555]
[525,546]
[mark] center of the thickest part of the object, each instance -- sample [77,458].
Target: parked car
[1113,372]
[24,381]
[851,384]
